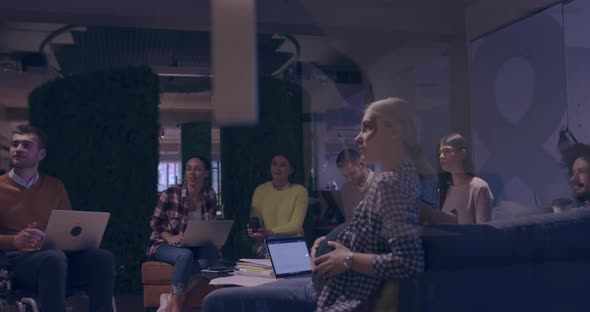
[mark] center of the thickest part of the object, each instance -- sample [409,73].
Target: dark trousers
[287,295]
[50,273]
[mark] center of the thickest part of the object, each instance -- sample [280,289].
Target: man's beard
[23,164]
[583,196]
[360,181]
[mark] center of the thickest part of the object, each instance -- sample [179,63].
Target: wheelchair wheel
[4,305]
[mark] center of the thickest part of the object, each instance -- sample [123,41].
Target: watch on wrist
[348,261]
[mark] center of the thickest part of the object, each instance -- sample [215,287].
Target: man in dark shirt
[577,159]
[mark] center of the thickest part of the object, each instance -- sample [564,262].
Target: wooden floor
[129,303]
[124,304]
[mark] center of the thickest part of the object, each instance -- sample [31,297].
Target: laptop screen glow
[290,257]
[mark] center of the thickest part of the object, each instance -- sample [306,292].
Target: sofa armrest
[543,238]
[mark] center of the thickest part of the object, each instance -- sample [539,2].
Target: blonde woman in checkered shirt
[382,241]
[380,244]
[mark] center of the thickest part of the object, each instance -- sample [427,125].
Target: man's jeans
[49,273]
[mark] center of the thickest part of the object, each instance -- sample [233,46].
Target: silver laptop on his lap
[69,230]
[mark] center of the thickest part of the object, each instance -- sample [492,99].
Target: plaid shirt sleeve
[210,201]
[159,218]
[401,230]
[385,224]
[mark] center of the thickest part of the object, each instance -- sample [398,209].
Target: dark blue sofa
[537,263]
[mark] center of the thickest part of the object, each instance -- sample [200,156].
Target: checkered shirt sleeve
[169,201]
[169,215]
[210,205]
[386,224]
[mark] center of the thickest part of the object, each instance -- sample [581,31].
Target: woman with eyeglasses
[460,192]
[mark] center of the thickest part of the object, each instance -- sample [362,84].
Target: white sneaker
[165,305]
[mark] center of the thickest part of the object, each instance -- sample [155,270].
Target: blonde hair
[399,110]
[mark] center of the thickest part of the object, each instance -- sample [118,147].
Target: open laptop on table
[70,230]
[289,257]
[201,232]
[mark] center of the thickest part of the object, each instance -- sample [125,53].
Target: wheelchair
[10,297]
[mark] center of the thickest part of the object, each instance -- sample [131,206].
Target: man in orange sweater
[26,201]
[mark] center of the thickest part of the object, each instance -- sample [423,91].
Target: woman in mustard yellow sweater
[279,204]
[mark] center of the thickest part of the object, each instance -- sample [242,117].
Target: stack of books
[254,268]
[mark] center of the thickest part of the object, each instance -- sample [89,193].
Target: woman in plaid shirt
[193,199]
[380,244]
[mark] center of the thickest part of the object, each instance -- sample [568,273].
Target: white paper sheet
[240,280]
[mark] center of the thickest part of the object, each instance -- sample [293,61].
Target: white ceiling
[485,16]
[385,19]
[316,23]
[312,17]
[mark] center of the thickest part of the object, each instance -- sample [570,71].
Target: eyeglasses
[446,152]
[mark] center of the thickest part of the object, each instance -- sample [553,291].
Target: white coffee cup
[562,204]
